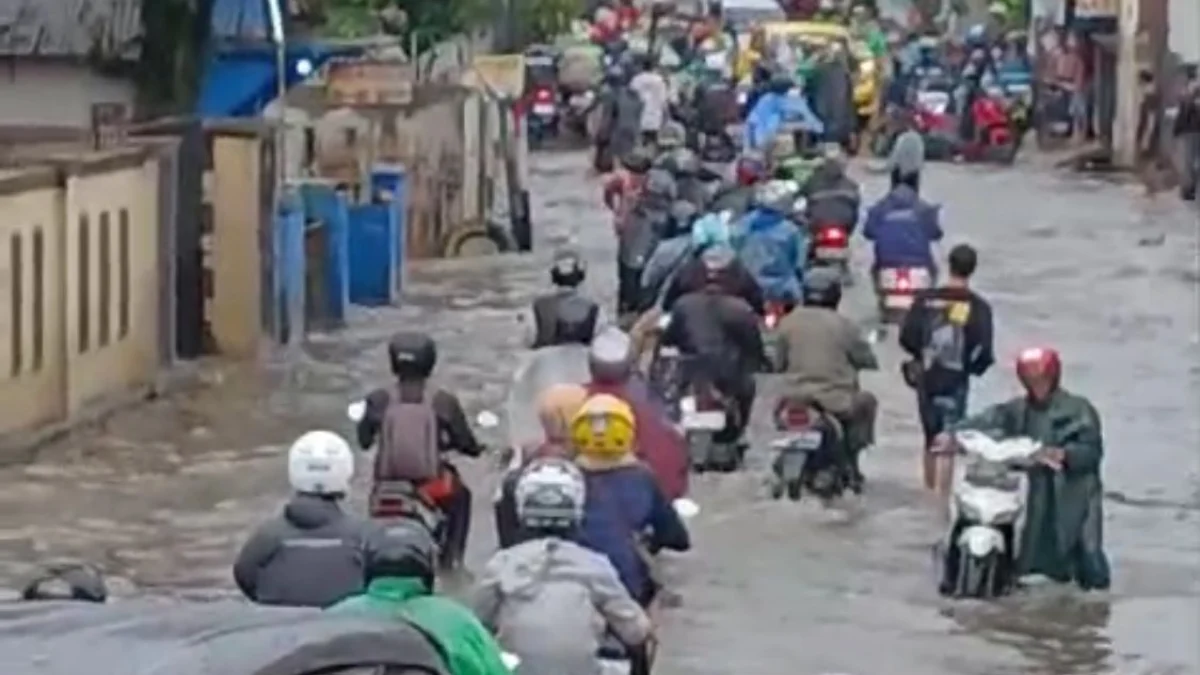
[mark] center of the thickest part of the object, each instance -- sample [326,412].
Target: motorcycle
[935,122]
[896,288]
[996,139]
[704,413]
[807,456]
[1052,117]
[987,506]
[830,247]
[543,115]
[405,500]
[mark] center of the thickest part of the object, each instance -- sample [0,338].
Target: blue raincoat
[774,250]
[771,111]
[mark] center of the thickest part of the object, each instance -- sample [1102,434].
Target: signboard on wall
[369,83]
[1086,10]
[503,74]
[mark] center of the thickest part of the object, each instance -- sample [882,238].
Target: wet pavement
[162,496]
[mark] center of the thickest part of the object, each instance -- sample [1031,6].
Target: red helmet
[1039,364]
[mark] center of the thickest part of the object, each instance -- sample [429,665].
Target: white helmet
[550,495]
[320,463]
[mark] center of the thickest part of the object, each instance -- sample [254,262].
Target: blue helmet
[976,35]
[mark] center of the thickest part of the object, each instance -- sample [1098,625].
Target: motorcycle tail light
[831,236]
[543,96]
[794,417]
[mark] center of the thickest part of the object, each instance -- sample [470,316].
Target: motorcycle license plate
[804,440]
[669,352]
[544,109]
[706,420]
[832,253]
[692,419]
[897,301]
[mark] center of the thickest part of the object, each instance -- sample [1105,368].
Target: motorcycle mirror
[487,419]
[356,411]
[686,508]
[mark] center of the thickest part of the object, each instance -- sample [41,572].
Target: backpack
[409,447]
[944,358]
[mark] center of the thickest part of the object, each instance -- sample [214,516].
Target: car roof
[152,637]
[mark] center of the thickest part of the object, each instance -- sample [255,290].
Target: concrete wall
[79,276]
[1184,38]
[53,93]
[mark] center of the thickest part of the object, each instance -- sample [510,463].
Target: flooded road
[162,496]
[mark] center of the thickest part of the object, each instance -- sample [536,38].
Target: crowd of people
[583,514]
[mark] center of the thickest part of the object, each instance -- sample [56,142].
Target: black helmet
[404,549]
[637,161]
[568,269]
[68,582]
[781,82]
[683,214]
[823,287]
[412,355]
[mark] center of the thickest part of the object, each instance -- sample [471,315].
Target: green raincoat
[1063,534]
[468,647]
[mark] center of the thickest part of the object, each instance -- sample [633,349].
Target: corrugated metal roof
[58,28]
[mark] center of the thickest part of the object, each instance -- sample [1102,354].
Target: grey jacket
[313,555]
[908,154]
[821,353]
[550,602]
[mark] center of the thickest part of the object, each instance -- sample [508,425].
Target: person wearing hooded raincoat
[772,110]
[833,95]
[771,247]
[1063,533]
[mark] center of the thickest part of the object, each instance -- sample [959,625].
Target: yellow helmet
[604,427]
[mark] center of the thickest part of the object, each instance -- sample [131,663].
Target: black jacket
[721,330]
[978,350]
[691,278]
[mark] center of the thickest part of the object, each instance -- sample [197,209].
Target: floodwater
[162,496]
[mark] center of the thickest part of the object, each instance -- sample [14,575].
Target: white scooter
[987,512]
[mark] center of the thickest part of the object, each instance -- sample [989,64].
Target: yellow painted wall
[79,284]
[32,359]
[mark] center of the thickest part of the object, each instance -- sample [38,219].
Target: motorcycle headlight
[867,68]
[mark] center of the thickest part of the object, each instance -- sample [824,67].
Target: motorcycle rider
[776,107]
[400,583]
[1062,536]
[651,88]
[686,168]
[648,223]
[669,255]
[71,581]
[658,442]
[822,353]
[948,335]
[832,196]
[903,228]
[770,245]
[620,119]
[627,517]
[311,555]
[692,275]
[719,334]
[833,95]
[749,172]
[622,190]
[415,426]
[556,408]
[565,315]
[548,600]
[907,158]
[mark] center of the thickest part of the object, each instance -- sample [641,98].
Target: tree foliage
[174,38]
[543,20]
[427,21]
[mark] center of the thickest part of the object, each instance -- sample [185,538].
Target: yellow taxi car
[813,35]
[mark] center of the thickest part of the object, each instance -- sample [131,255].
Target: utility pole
[1125,139]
